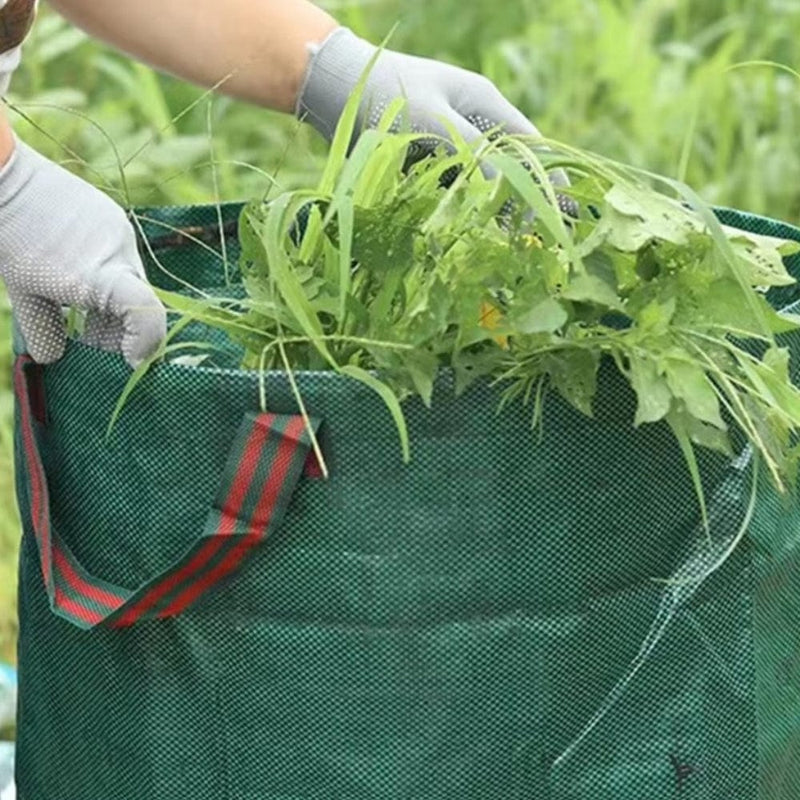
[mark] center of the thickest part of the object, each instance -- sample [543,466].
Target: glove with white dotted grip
[435,94]
[65,243]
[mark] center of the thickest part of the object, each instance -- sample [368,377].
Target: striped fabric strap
[269,455]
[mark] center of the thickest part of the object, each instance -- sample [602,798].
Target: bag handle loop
[268,457]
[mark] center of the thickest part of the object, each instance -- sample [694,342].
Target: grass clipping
[388,274]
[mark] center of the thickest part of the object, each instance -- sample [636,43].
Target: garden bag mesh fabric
[203,617]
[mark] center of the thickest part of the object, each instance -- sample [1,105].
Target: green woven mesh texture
[481,624]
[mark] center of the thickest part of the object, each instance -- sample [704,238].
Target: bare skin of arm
[258,48]
[260,44]
[6,139]
[16,18]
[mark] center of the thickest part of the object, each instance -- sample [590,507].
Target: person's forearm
[260,44]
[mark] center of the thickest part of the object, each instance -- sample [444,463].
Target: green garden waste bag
[507,617]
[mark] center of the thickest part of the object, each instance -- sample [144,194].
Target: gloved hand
[65,243]
[433,91]
[468,101]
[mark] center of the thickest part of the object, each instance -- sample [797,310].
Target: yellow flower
[532,240]
[490,319]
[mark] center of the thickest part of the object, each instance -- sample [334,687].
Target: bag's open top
[482,623]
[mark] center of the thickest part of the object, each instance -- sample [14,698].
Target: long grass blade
[389,398]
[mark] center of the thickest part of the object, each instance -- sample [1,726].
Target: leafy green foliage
[388,287]
[647,83]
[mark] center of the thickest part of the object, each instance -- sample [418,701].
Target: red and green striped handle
[269,455]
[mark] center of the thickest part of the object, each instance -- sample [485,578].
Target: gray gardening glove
[434,92]
[65,243]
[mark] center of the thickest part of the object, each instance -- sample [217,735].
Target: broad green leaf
[422,367]
[655,317]
[771,379]
[634,217]
[470,365]
[383,238]
[778,359]
[763,266]
[708,436]
[724,252]
[785,247]
[688,381]
[783,322]
[652,390]
[574,375]
[588,288]
[545,317]
[729,307]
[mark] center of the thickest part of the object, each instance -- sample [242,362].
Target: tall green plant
[389,282]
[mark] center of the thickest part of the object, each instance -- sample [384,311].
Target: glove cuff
[17,172]
[334,68]
[9,61]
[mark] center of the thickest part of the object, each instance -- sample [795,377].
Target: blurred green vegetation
[646,81]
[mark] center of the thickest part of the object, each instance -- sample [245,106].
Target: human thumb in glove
[437,95]
[65,243]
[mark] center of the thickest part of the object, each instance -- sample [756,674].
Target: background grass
[645,81]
